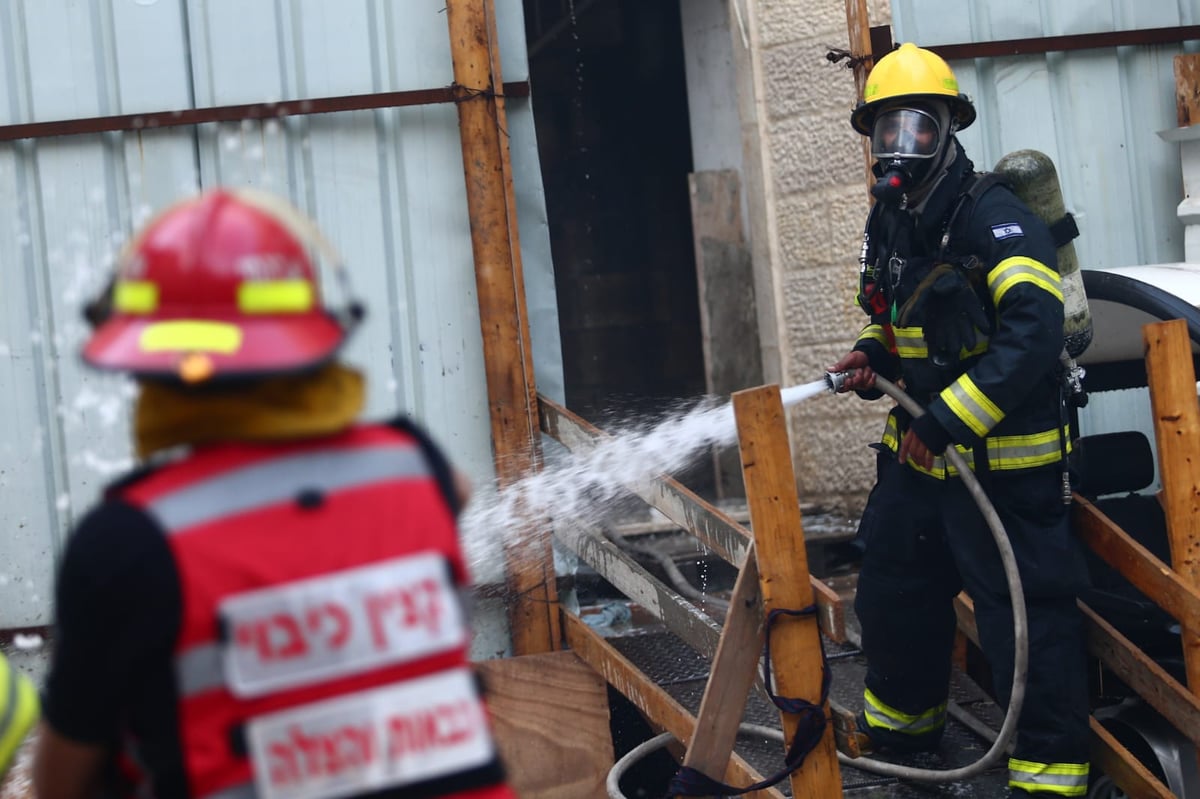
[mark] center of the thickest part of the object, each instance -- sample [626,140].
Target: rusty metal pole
[503,317]
[859,27]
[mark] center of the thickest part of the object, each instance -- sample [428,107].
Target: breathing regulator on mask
[911,108]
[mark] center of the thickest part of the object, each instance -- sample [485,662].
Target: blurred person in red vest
[269,606]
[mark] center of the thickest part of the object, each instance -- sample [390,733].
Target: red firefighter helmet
[219,286]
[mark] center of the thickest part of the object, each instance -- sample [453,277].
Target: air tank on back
[1035,180]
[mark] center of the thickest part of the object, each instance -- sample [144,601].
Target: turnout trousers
[925,540]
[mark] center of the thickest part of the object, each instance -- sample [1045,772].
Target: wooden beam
[660,707]
[796,654]
[1142,674]
[732,675]
[629,577]
[728,316]
[531,700]
[1172,381]
[1137,564]
[503,316]
[715,529]
[1187,89]
[1148,679]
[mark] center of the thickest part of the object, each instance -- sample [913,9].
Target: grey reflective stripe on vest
[199,669]
[280,480]
[1034,450]
[243,790]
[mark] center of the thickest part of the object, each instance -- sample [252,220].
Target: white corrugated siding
[385,186]
[1096,112]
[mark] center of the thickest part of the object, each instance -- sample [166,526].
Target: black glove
[950,312]
[935,437]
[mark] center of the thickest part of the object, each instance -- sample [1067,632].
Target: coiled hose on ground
[1020,635]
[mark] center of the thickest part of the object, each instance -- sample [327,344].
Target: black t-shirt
[118,615]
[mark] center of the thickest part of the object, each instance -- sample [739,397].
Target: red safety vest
[323,647]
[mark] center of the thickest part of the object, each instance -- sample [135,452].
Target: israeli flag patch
[1009,230]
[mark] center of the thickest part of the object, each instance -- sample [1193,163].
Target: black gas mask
[907,143]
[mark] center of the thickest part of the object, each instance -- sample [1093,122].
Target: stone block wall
[816,189]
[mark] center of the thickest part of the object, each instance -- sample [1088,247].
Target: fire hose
[1008,560]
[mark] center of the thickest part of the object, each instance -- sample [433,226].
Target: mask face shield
[905,133]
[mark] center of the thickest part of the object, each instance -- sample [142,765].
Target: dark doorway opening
[610,107]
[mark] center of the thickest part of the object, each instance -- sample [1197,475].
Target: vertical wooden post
[1172,380]
[1187,89]
[783,574]
[507,354]
[859,25]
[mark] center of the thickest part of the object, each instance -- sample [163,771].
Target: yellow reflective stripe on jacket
[1060,779]
[910,344]
[1020,269]
[882,715]
[873,333]
[1004,452]
[971,405]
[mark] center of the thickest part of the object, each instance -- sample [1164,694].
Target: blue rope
[809,728]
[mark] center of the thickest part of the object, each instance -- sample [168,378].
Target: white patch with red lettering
[387,737]
[340,624]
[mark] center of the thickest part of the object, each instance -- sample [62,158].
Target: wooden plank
[1187,89]
[1137,564]
[630,578]
[503,316]
[1148,679]
[1151,681]
[724,536]
[1119,763]
[660,707]
[715,529]
[964,610]
[728,315]
[783,575]
[732,674]
[1172,380]
[1142,674]
[532,699]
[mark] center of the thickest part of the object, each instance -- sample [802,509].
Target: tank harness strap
[1064,230]
[981,182]
[809,728]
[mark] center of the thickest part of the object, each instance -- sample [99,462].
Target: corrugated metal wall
[385,186]
[1096,112]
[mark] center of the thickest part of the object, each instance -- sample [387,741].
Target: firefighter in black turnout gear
[966,312]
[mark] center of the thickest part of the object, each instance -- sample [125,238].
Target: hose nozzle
[835,381]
